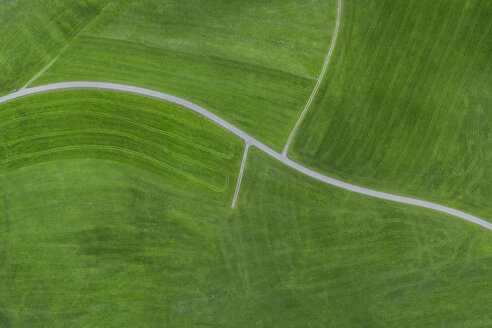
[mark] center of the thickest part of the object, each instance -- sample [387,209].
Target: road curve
[249,140]
[318,82]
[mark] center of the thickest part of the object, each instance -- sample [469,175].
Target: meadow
[160,137]
[115,209]
[97,242]
[253,63]
[406,104]
[32,33]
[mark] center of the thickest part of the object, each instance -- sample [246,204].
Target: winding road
[249,141]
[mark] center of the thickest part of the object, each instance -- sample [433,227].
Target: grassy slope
[99,243]
[32,33]
[406,105]
[254,63]
[158,136]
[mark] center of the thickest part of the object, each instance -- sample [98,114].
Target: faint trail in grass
[123,151]
[98,101]
[376,84]
[4,212]
[363,81]
[345,84]
[117,117]
[458,92]
[39,74]
[431,92]
[115,133]
[63,49]
[398,102]
[422,75]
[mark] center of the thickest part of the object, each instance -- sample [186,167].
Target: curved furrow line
[112,132]
[476,130]
[386,100]
[97,101]
[384,103]
[380,142]
[345,84]
[125,119]
[363,81]
[417,90]
[423,73]
[120,150]
[355,134]
[458,92]
[432,89]
[249,140]
[318,81]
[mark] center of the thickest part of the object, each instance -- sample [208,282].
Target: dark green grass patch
[406,105]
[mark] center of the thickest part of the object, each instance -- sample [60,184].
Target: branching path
[249,141]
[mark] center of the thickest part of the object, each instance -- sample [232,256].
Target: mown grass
[32,33]
[161,137]
[254,63]
[406,104]
[91,242]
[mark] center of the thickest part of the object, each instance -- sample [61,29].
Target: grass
[147,133]
[33,32]
[92,242]
[406,103]
[115,209]
[253,63]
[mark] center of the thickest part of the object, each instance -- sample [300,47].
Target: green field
[91,242]
[151,134]
[32,33]
[115,209]
[254,63]
[406,105]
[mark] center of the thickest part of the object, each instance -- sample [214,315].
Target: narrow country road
[318,82]
[39,74]
[249,141]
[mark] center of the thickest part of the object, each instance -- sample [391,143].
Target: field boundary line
[249,140]
[240,176]
[318,81]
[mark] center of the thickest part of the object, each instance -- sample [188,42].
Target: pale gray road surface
[318,82]
[240,176]
[249,140]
